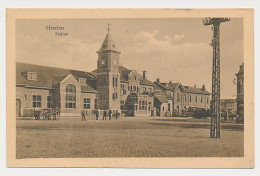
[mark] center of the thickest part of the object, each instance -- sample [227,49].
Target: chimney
[203,87]
[158,80]
[144,74]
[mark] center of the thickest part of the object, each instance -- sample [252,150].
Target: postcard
[139,88]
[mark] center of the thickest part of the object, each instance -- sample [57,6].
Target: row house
[180,99]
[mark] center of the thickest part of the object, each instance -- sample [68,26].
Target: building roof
[170,86]
[228,100]
[241,69]
[48,77]
[190,89]
[108,45]
[160,94]
[161,98]
[124,72]
[87,88]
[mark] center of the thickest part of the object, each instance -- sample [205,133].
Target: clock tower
[108,76]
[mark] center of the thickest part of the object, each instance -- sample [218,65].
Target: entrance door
[18,107]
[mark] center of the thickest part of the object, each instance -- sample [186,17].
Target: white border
[127,4]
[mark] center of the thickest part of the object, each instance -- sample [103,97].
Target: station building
[110,86]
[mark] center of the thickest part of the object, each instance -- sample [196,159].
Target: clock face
[103,62]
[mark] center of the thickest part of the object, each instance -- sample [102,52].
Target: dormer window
[82,80]
[32,76]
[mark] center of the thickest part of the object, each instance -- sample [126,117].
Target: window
[114,95]
[184,97]
[49,101]
[122,86]
[169,107]
[70,96]
[142,105]
[201,100]
[82,80]
[178,97]
[95,103]
[87,103]
[122,104]
[114,81]
[31,76]
[196,100]
[134,77]
[123,91]
[145,105]
[190,98]
[37,101]
[144,89]
[207,100]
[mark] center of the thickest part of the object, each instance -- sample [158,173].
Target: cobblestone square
[126,137]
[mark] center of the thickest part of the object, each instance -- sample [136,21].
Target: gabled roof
[168,86]
[108,45]
[160,94]
[161,98]
[190,89]
[124,72]
[48,77]
[146,82]
[87,88]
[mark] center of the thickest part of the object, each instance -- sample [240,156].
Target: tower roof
[108,44]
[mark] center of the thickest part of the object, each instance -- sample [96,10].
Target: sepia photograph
[109,87]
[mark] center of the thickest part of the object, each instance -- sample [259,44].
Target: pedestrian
[54,114]
[104,115]
[58,111]
[83,115]
[97,114]
[49,114]
[116,114]
[110,114]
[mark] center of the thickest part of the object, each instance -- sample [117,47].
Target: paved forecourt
[126,137]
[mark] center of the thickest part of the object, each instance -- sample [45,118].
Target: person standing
[116,114]
[54,113]
[110,114]
[83,115]
[97,114]
[104,115]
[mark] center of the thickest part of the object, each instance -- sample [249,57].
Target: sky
[170,49]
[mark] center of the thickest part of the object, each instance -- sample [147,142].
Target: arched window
[70,96]
[178,97]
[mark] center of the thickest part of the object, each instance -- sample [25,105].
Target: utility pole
[215,106]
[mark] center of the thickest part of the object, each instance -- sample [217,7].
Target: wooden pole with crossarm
[215,103]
